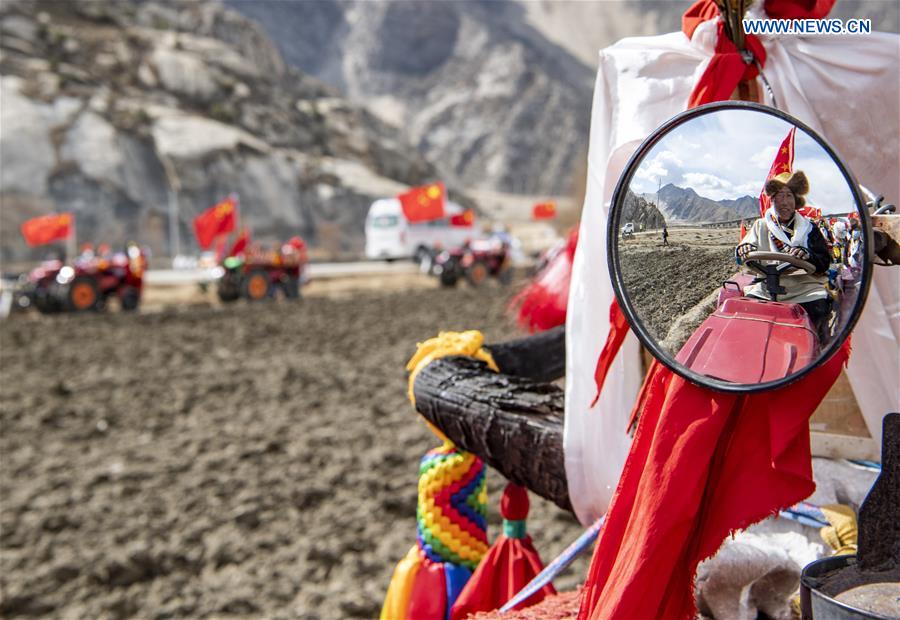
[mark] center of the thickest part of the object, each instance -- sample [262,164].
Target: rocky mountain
[641,212]
[679,204]
[123,112]
[473,84]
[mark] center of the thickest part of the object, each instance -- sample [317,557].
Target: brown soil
[665,282]
[238,461]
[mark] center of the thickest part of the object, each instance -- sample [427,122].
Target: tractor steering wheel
[752,258]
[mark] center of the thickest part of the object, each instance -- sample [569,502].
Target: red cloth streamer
[701,11]
[542,303]
[726,69]
[618,329]
[428,595]
[798,9]
[509,565]
[702,464]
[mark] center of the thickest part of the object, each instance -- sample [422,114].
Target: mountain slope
[121,111]
[680,204]
[473,84]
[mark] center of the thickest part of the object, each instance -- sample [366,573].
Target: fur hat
[796,182]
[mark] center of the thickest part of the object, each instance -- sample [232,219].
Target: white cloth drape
[843,87]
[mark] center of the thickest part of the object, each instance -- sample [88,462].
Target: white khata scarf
[798,239]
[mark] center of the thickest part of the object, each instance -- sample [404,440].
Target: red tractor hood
[751,341]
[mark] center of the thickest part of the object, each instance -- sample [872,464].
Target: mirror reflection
[739,246]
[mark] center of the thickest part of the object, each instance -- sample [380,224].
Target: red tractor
[256,274]
[776,339]
[87,284]
[475,261]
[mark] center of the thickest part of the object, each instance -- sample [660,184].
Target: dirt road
[666,281]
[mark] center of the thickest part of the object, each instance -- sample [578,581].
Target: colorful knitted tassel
[452,537]
[510,564]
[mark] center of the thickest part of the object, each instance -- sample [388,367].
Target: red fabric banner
[702,464]
[47,229]
[428,594]
[218,220]
[783,162]
[509,565]
[422,204]
[542,303]
[618,329]
[798,9]
[726,69]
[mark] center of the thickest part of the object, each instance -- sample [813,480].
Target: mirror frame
[615,268]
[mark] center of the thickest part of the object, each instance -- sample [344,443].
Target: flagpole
[72,241]
[174,186]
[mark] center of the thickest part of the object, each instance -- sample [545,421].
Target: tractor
[476,262]
[87,284]
[776,338]
[256,274]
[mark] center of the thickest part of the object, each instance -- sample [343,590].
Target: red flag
[543,211]
[509,565]
[701,465]
[47,229]
[240,243]
[422,204]
[217,220]
[743,230]
[466,219]
[783,162]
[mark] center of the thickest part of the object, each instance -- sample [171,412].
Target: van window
[385,221]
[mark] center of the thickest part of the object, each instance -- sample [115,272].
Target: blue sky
[727,154]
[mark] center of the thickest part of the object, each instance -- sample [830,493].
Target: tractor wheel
[505,276]
[42,298]
[477,273]
[291,287]
[449,278]
[130,299]
[229,287]
[82,294]
[256,286]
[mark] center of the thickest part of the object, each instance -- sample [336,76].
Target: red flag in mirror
[783,162]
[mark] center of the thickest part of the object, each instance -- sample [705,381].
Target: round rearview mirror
[739,246]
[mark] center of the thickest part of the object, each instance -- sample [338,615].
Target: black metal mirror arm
[513,422]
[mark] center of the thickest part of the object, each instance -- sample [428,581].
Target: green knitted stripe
[514,529]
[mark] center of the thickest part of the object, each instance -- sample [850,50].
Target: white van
[389,235]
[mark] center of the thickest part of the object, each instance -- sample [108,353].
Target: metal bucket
[815,605]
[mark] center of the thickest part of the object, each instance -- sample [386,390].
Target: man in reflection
[782,229]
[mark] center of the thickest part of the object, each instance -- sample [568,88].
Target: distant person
[665,235]
[785,231]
